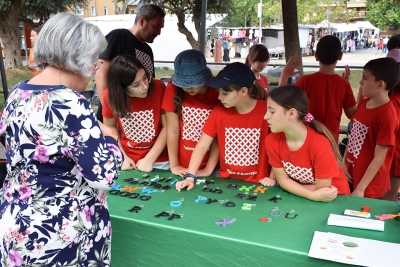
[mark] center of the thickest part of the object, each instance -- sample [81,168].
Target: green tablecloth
[142,239]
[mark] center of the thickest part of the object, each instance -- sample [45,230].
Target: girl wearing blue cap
[236,124]
[188,103]
[132,103]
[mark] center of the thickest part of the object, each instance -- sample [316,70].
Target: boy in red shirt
[327,92]
[394,95]
[369,154]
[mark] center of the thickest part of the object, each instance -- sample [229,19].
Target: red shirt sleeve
[169,94]
[210,127]
[107,112]
[272,147]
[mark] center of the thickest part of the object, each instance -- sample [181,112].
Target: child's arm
[195,160]
[288,70]
[324,194]
[344,166]
[269,181]
[128,163]
[212,160]
[146,164]
[350,112]
[372,170]
[173,132]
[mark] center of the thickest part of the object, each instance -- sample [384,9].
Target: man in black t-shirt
[148,24]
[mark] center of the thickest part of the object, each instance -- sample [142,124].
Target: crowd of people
[61,157]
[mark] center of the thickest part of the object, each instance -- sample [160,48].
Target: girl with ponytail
[302,152]
[236,125]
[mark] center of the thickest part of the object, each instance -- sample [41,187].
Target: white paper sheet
[354,251]
[353,222]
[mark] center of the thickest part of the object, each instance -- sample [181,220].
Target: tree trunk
[120,10]
[10,35]
[182,29]
[291,31]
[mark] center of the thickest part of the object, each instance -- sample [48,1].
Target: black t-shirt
[123,42]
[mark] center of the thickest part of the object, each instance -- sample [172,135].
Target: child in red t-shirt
[394,95]
[369,153]
[188,103]
[257,60]
[132,106]
[235,123]
[327,92]
[302,152]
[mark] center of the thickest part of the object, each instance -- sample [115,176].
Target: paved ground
[356,59]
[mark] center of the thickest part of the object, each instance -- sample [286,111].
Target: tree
[384,13]
[245,13]
[12,12]
[183,7]
[120,10]
[291,32]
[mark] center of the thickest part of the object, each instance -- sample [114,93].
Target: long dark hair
[178,99]
[255,92]
[292,96]
[257,52]
[122,73]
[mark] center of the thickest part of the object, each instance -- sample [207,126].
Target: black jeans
[99,114]
[3,173]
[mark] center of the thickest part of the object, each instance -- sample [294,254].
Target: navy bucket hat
[191,69]
[237,73]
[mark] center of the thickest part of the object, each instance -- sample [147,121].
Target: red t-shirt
[328,95]
[195,112]
[371,127]
[142,125]
[315,159]
[395,169]
[241,141]
[263,81]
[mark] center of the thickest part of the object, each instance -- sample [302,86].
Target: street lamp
[260,16]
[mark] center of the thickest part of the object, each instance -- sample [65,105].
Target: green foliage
[309,12]
[41,9]
[382,13]
[193,6]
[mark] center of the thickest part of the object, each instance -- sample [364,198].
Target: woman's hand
[128,164]
[188,182]
[325,194]
[32,66]
[268,181]
[179,170]
[144,165]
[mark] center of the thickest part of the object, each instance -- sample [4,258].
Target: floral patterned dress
[53,208]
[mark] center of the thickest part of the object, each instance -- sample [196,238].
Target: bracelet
[189,175]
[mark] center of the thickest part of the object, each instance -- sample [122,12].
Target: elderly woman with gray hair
[60,160]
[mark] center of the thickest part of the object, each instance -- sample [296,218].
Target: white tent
[344,27]
[167,45]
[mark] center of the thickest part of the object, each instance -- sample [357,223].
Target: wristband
[189,175]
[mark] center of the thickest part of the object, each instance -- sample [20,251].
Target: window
[78,10]
[105,9]
[93,9]
[132,11]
